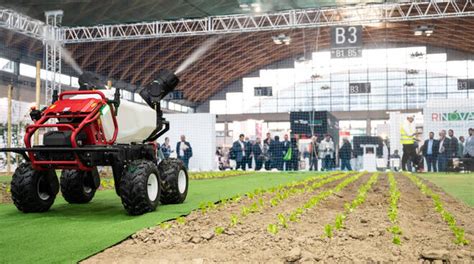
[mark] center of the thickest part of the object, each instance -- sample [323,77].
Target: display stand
[369,157]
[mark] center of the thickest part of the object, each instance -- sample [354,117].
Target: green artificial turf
[459,185]
[69,233]
[5,179]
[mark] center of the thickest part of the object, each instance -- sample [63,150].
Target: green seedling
[261,202]
[293,217]
[282,220]
[339,223]
[245,211]
[274,202]
[396,240]
[165,226]
[234,220]
[181,220]
[328,231]
[219,230]
[235,199]
[347,207]
[272,229]
[223,202]
[203,207]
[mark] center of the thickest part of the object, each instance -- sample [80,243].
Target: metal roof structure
[136,52]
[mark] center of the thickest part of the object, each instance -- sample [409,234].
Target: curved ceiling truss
[235,55]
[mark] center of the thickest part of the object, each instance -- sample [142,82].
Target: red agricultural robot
[92,127]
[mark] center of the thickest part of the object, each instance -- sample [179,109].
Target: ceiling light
[281,39]
[424,29]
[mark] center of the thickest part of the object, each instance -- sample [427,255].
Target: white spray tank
[136,122]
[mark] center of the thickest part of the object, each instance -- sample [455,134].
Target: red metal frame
[81,115]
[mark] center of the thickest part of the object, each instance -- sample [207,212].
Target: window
[263,91]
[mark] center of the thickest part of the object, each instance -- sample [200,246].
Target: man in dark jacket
[454,144]
[430,150]
[276,152]
[444,151]
[286,145]
[248,153]
[258,154]
[345,154]
[184,151]
[239,152]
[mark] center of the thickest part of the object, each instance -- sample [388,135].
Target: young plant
[396,240]
[328,230]
[282,220]
[219,230]
[165,225]
[245,211]
[181,220]
[339,223]
[234,220]
[272,229]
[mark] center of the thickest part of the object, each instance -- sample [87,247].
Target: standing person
[248,153]
[454,144]
[469,145]
[444,151]
[257,153]
[184,151]
[313,153]
[276,153]
[461,143]
[166,148]
[287,152]
[295,156]
[407,139]
[345,154]
[430,150]
[326,151]
[266,151]
[239,152]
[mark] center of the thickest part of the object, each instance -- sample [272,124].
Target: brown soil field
[365,238]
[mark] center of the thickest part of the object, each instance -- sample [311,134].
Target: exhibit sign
[346,42]
[456,114]
[465,84]
[359,88]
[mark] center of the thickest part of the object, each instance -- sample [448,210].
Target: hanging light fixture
[281,39]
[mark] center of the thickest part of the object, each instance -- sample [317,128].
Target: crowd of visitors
[438,152]
[272,153]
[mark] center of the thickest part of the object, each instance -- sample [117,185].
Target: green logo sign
[452,116]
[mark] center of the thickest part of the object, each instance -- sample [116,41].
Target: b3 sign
[346,41]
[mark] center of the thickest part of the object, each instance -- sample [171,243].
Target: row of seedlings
[293,216]
[447,216]
[280,194]
[350,207]
[393,209]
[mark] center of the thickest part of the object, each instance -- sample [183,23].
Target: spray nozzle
[89,81]
[154,92]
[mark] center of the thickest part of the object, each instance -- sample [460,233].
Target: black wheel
[33,191]
[140,187]
[174,181]
[78,187]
